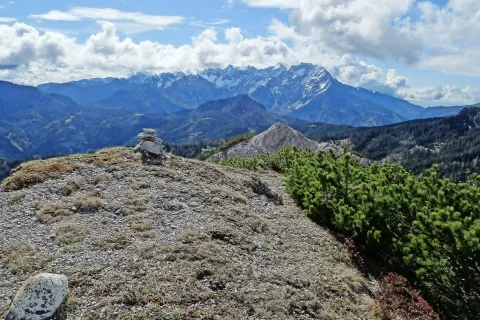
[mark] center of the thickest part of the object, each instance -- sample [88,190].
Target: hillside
[219,119]
[452,142]
[33,123]
[180,241]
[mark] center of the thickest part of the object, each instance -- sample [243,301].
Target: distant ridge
[303,91]
[275,138]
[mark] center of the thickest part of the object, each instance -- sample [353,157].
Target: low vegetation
[16,199]
[116,241]
[49,213]
[139,224]
[69,187]
[21,258]
[87,203]
[70,234]
[34,172]
[132,204]
[27,174]
[426,228]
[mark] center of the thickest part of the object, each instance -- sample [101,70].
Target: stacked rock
[151,147]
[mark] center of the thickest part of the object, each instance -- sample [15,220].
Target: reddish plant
[349,243]
[398,299]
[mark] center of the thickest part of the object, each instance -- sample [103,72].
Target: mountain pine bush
[426,228]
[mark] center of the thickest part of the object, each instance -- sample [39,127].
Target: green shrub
[426,228]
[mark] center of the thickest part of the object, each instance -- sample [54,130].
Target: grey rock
[151,147]
[175,205]
[262,187]
[41,297]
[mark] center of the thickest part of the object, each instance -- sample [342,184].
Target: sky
[424,51]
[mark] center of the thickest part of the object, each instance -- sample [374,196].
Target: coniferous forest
[452,142]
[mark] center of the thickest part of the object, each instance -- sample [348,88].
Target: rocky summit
[181,240]
[275,138]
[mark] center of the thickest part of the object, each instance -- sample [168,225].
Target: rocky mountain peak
[275,138]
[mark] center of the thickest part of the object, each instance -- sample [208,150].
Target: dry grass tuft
[88,203]
[67,188]
[21,258]
[99,178]
[16,199]
[70,234]
[52,212]
[34,172]
[105,157]
[133,204]
[141,184]
[140,225]
[116,241]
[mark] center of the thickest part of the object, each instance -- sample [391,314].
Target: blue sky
[425,51]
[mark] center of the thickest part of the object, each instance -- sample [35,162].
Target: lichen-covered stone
[41,297]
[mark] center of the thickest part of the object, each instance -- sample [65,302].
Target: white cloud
[441,37]
[217,22]
[441,95]
[129,19]
[369,28]
[7,20]
[55,15]
[450,34]
[53,56]
[284,4]
[32,57]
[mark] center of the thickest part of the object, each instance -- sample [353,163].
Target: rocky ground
[185,240]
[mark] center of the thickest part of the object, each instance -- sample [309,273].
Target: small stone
[174,205]
[41,297]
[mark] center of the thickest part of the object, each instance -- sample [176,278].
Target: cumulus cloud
[442,37]
[449,95]
[53,56]
[7,20]
[369,28]
[134,19]
[451,35]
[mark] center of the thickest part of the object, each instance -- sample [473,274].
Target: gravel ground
[185,240]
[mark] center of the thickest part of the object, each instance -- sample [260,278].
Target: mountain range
[37,123]
[216,103]
[304,91]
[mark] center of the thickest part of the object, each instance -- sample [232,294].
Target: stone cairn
[150,147]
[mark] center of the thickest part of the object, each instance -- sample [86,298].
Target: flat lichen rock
[39,298]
